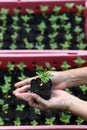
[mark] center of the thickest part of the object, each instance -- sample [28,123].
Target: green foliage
[79,61]
[56,9]
[1,121]
[22,77]
[50,121]
[83,88]
[37,111]
[65,66]
[17,121]
[20,107]
[43,74]
[34,123]
[79,120]
[65,118]
[69,6]
[10,66]
[21,66]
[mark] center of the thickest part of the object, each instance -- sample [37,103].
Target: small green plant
[34,123]
[69,6]
[55,27]
[78,19]
[53,46]
[42,27]
[53,19]
[28,44]
[49,67]
[65,45]
[1,121]
[79,120]
[44,9]
[39,39]
[65,66]
[83,88]
[13,46]
[77,30]
[17,121]
[50,121]
[10,66]
[80,9]
[20,107]
[22,77]
[37,111]
[65,118]
[29,11]
[63,18]
[52,36]
[79,61]
[25,19]
[21,66]
[16,11]
[43,74]
[81,46]
[5,108]
[56,9]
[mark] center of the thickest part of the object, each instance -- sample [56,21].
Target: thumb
[38,102]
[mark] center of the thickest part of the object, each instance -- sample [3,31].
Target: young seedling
[17,121]
[52,36]
[78,19]
[65,66]
[28,45]
[21,66]
[42,27]
[13,46]
[40,47]
[53,46]
[42,85]
[56,9]
[80,9]
[79,120]
[22,77]
[34,123]
[15,19]
[29,11]
[55,27]
[5,108]
[63,18]
[20,107]
[53,19]
[1,121]
[16,11]
[37,111]
[65,45]
[81,46]
[44,9]
[65,118]
[83,88]
[77,30]
[10,66]
[50,121]
[79,61]
[49,67]
[39,39]
[69,6]
[25,19]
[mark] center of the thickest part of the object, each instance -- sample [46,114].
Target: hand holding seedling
[59,99]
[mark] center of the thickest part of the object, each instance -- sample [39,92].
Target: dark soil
[44,90]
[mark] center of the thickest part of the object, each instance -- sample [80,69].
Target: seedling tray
[31,60]
[35,6]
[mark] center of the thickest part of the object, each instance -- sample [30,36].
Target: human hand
[58,81]
[59,100]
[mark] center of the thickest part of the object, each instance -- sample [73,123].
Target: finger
[23,96]
[22,89]
[24,82]
[38,102]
